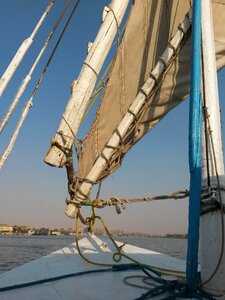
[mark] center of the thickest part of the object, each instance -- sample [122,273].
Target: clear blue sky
[33,193]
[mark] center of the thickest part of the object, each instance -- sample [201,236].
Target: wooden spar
[21,52]
[15,134]
[15,101]
[127,120]
[27,79]
[84,86]
[211,225]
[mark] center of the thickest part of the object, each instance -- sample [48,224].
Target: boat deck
[89,284]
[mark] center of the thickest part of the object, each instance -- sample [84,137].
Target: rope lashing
[171,46]
[90,67]
[67,136]
[133,114]
[209,202]
[76,142]
[65,150]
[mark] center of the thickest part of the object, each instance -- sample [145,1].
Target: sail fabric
[150,26]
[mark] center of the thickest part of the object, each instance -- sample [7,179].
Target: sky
[31,192]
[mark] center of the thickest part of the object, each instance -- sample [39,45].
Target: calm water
[17,250]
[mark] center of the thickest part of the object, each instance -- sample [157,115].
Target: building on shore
[6,229]
[55,232]
[31,232]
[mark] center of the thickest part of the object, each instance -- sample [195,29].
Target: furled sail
[150,27]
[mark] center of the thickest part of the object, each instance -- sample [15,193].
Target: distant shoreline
[10,230]
[170,236]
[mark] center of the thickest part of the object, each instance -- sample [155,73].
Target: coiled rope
[175,288]
[119,254]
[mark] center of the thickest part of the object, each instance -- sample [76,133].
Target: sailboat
[166,51]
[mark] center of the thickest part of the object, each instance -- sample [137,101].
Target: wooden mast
[83,87]
[212,225]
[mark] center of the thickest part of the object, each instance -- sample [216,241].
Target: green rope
[117,256]
[99,87]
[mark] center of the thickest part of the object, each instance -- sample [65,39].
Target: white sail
[149,78]
[129,74]
[102,163]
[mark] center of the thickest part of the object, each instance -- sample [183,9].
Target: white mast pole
[16,132]
[21,52]
[212,270]
[83,87]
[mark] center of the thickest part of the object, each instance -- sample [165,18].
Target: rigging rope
[100,86]
[30,101]
[113,201]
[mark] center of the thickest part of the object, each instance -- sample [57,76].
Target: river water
[17,250]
